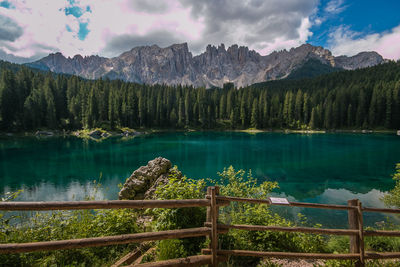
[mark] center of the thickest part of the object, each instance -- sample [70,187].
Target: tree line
[365,98]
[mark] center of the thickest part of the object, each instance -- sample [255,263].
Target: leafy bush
[239,184]
[43,226]
[171,249]
[393,198]
[46,226]
[169,219]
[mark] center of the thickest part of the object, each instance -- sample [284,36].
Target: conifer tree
[254,114]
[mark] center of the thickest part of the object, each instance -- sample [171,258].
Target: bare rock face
[175,64]
[361,60]
[145,180]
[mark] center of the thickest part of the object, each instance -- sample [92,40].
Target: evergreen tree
[173,118]
[313,120]
[8,99]
[389,102]
[181,113]
[361,109]
[298,107]
[254,114]
[188,109]
[306,108]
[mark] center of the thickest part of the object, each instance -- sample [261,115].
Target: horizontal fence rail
[295,255]
[382,210]
[356,232]
[293,204]
[212,228]
[288,255]
[223,228]
[381,233]
[111,204]
[103,241]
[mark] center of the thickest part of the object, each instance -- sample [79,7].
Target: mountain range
[176,65]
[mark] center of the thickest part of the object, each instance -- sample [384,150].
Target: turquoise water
[322,168]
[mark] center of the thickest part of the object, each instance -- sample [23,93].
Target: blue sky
[32,29]
[363,17]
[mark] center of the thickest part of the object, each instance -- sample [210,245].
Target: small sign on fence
[279,200]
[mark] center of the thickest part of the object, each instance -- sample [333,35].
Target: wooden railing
[356,231]
[212,255]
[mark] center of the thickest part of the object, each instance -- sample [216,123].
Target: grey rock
[145,180]
[128,133]
[176,65]
[105,135]
[95,134]
[44,133]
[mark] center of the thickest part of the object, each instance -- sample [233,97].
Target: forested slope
[364,98]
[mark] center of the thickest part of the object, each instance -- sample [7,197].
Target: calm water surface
[321,168]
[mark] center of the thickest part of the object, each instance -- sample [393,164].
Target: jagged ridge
[216,66]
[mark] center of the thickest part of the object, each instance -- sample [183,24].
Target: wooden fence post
[361,232]
[214,190]
[208,216]
[354,224]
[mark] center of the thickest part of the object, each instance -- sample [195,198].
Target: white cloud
[344,41]
[261,25]
[44,27]
[281,43]
[335,6]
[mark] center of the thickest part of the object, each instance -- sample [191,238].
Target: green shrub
[393,198]
[46,226]
[181,218]
[43,226]
[238,184]
[171,249]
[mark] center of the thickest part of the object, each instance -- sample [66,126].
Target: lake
[320,168]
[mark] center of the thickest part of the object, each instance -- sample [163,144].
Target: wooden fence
[212,255]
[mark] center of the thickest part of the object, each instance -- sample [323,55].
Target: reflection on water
[337,218]
[324,168]
[48,191]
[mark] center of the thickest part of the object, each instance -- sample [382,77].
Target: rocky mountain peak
[175,64]
[361,60]
[77,57]
[182,46]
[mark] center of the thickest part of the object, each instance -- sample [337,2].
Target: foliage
[365,98]
[238,184]
[268,263]
[311,68]
[45,226]
[393,198]
[340,244]
[85,134]
[382,243]
[81,224]
[169,219]
[171,249]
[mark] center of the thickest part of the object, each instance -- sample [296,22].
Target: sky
[31,29]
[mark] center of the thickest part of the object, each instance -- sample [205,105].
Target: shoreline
[146,131]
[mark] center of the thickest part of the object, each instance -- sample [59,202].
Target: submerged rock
[144,181]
